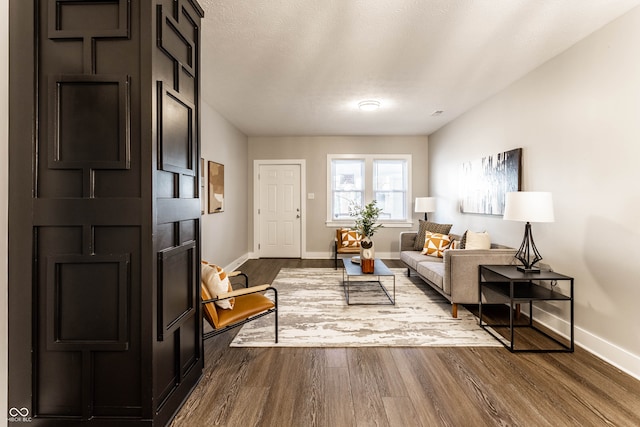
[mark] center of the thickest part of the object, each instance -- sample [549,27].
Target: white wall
[577,119]
[224,234]
[4,201]
[314,149]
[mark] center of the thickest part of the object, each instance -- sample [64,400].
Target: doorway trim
[303,202]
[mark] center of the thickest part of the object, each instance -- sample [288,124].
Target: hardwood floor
[403,386]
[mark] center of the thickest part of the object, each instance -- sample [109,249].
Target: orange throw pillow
[435,244]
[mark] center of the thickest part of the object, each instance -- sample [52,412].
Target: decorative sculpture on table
[366,218]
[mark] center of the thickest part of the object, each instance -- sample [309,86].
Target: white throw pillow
[478,240]
[217,282]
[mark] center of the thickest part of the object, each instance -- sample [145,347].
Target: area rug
[312,312]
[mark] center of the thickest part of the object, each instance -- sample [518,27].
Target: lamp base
[529,270]
[527,249]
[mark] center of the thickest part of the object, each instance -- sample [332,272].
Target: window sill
[385,224]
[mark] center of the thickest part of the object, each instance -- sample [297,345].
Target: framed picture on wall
[484,182]
[216,187]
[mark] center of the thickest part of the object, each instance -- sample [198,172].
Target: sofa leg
[408,272]
[454,310]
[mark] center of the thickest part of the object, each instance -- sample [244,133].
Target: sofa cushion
[432,271]
[433,227]
[412,258]
[435,244]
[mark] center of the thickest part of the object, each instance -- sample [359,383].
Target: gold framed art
[216,187]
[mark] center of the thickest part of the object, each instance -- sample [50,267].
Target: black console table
[506,284]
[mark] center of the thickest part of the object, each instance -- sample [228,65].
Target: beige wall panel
[314,150]
[225,234]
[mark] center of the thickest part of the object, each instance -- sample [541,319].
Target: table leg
[511,313]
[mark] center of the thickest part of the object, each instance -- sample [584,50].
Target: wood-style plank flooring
[403,386]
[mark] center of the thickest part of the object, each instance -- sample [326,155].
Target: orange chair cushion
[348,241]
[209,309]
[348,250]
[246,306]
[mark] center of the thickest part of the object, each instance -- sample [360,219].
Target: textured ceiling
[299,67]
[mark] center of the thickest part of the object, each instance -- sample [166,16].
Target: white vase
[367,252]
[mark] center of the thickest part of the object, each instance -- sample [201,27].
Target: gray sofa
[455,275]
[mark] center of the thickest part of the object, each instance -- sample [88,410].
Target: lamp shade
[425,204]
[529,206]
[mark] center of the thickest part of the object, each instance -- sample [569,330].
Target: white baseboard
[329,255]
[233,265]
[318,255]
[609,352]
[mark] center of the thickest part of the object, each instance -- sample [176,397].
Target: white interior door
[279,211]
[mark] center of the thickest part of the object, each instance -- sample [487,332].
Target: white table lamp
[425,204]
[528,206]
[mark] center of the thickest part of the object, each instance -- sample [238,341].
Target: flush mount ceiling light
[369,105]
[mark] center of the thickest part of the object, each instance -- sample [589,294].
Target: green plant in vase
[365,225]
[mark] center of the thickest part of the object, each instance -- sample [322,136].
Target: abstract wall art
[484,182]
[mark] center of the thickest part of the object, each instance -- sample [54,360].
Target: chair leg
[276,314]
[335,257]
[246,279]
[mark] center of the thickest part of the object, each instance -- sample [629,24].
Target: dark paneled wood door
[104,210]
[177,344]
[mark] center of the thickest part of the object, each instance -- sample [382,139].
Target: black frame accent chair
[249,303]
[347,241]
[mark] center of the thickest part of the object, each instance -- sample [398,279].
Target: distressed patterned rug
[312,312]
